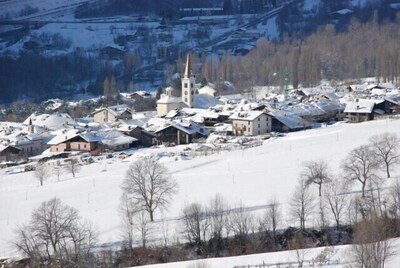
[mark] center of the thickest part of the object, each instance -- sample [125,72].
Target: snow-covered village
[199,134]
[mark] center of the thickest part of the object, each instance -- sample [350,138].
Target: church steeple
[188,68]
[188,81]
[30,126]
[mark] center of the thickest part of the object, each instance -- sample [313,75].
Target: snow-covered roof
[112,137]
[188,128]
[51,121]
[205,101]
[246,115]
[116,110]
[231,97]
[290,120]
[360,106]
[172,114]
[155,123]
[169,99]
[67,135]
[343,11]
[207,90]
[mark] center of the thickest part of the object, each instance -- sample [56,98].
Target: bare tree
[218,211]
[272,217]
[56,234]
[196,223]
[301,203]
[394,200]
[127,212]
[241,223]
[148,186]
[360,165]
[317,172]
[41,172]
[336,199]
[142,225]
[57,170]
[372,247]
[73,166]
[386,148]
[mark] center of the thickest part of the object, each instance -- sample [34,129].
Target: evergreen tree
[106,88]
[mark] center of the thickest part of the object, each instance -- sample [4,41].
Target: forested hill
[314,39]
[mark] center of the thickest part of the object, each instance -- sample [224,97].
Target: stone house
[250,123]
[112,114]
[359,111]
[180,133]
[84,142]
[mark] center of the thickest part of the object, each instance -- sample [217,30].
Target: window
[191,85]
[185,99]
[185,85]
[259,119]
[192,92]
[258,125]
[186,92]
[84,146]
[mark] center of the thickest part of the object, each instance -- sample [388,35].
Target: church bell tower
[188,81]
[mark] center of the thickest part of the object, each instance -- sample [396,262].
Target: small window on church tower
[185,85]
[192,92]
[191,84]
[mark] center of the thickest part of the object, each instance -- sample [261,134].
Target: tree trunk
[363,190]
[151,215]
[320,190]
[387,170]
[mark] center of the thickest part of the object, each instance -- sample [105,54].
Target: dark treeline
[32,76]
[365,50]
[165,8]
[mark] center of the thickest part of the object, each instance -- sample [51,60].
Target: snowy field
[252,176]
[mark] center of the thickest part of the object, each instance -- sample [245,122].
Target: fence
[293,264]
[207,150]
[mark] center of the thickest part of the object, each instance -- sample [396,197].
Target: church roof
[188,69]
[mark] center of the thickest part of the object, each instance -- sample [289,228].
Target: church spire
[188,69]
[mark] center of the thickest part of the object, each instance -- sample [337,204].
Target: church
[191,96]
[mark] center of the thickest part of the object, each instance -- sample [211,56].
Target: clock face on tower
[186,92]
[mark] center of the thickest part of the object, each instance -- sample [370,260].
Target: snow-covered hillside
[252,176]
